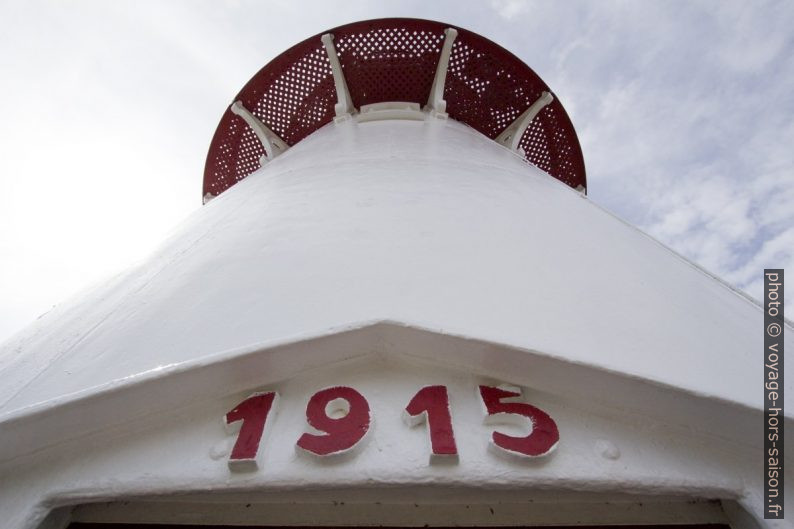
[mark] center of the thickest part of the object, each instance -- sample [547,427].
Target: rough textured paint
[425,223]
[381,242]
[168,454]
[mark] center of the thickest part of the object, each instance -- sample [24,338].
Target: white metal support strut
[511,136]
[270,141]
[436,104]
[344,103]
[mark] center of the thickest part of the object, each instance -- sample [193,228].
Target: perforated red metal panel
[393,59]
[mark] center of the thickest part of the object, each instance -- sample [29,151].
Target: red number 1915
[342,417]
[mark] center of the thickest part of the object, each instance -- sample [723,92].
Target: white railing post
[511,136]
[344,104]
[270,141]
[436,104]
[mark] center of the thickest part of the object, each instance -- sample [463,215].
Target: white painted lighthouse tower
[396,308]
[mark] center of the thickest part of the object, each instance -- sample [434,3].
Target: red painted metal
[340,434]
[540,441]
[253,412]
[393,59]
[433,402]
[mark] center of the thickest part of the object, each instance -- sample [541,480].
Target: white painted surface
[426,223]
[391,110]
[414,242]
[174,451]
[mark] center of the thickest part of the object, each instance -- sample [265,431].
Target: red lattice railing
[394,59]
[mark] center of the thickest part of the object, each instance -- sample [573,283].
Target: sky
[684,109]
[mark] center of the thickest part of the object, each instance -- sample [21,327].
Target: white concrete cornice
[117,402]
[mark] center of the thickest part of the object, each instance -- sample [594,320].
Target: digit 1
[544,435]
[431,404]
[253,412]
[340,434]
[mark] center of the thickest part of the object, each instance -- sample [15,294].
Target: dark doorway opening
[169,526]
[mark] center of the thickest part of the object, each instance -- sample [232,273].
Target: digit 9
[340,434]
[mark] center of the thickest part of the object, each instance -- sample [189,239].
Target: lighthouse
[397,307]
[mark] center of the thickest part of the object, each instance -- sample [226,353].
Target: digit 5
[541,440]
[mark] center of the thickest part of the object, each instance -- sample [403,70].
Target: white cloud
[508,9]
